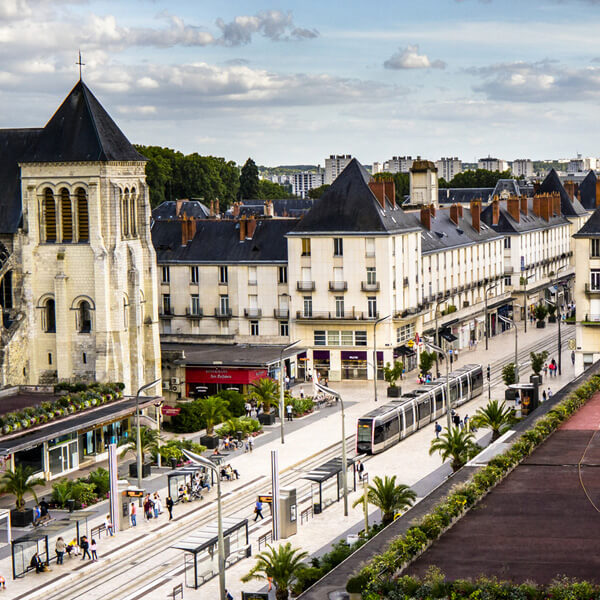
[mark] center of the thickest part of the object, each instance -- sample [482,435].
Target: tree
[455,444]
[540,312]
[495,416]
[213,410]
[266,392]
[267,190]
[537,361]
[392,374]
[236,404]
[401,182]
[388,497]
[474,179]
[149,439]
[426,361]
[18,483]
[317,192]
[509,374]
[248,181]
[280,565]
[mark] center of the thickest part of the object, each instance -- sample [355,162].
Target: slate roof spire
[568,207]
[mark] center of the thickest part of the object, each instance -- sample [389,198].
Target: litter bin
[239,435]
[173,462]
[71,505]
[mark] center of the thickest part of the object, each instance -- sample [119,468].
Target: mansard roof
[587,189]
[349,206]
[568,207]
[591,227]
[168,211]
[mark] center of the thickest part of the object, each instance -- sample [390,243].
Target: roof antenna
[81,64]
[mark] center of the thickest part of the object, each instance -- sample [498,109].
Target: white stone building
[448,167]
[398,164]
[303,182]
[334,165]
[522,167]
[492,164]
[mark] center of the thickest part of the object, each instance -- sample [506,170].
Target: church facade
[78,282]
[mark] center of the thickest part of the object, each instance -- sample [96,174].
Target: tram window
[364,431]
[477,380]
[408,416]
[391,428]
[453,391]
[439,399]
[378,435]
[424,409]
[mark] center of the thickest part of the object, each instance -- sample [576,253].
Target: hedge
[378,573]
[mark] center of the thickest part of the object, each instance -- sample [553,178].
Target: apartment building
[398,164]
[581,164]
[334,165]
[522,167]
[448,167]
[492,164]
[303,182]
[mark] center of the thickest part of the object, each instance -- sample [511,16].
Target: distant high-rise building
[522,167]
[448,167]
[398,164]
[334,165]
[492,164]
[581,165]
[377,168]
[303,182]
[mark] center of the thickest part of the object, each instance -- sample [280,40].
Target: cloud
[409,58]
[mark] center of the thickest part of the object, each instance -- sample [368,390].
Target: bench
[306,514]
[98,530]
[264,539]
[205,576]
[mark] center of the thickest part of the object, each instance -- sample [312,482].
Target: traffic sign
[410,343]
[267,499]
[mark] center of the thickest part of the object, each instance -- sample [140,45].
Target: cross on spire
[81,64]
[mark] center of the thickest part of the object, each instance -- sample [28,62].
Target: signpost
[170,411]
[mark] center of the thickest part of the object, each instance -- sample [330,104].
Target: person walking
[94,549]
[258,507]
[287,382]
[85,546]
[438,429]
[549,393]
[157,507]
[552,368]
[170,507]
[108,525]
[360,468]
[466,422]
[544,396]
[289,409]
[147,508]
[456,420]
[573,357]
[60,550]
[251,443]
[248,408]
[133,513]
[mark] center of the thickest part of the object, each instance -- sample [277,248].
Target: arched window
[66,215]
[84,317]
[49,323]
[132,207]
[82,216]
[49,215]
[125,213]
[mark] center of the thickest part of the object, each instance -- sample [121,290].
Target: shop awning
[405,351]
[449,337]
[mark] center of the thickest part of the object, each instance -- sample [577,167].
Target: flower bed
[375,579]
[76,397]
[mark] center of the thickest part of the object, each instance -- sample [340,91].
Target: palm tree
[265,391]
[280,565]
[388,497]
[18,483]
[214,411]
[149,439]
[495,416]
[456,444]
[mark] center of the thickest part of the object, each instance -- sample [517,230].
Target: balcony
[348,315]
[592,290]
[252,282]
[305,286]
[194,314]
[508,270]
[223,313]
[166,314]
[366,286]
[281,313]
[253,313]
[338,286]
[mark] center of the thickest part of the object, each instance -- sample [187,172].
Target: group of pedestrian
[84,546]
[229,473]
[152,506]
[546,395]
[41,513]
[552,368]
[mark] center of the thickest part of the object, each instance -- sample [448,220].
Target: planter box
[266,418]
[552,319]
[146,470]
[210,441]
[20,518]
[394,392]
[540,324]
[509,394]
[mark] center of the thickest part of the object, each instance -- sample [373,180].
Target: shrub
[302,406]
[244,424]
[236,403]
[189,420]
[101,480]
[392,374]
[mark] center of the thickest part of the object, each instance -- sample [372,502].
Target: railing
[590,289]
[338,286]
[305,286]
[264,539]
[281,313]
[194,314]
[365,286]
[252,282]
[166,314]
[223,313]
[253,313]
[336,315]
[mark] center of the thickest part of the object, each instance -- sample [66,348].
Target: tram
[392,422]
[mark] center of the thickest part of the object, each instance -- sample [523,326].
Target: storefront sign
[266,499]
[223,375]
[170,411]
[353,355]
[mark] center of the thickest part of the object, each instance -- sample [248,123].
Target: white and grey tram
[392,422]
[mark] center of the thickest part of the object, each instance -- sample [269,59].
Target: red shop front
[209,380]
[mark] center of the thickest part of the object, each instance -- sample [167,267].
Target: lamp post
[139,433]
[524,281]
[559,319]
[487,326]
[437,335]
[513,324]
[375,353]
[196,458]
[281,382]
[158,406]
[439,350]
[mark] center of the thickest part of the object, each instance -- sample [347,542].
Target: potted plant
[149,439]
[213,410]
[355,585]
[537,363]
[265,392]
[426,361]
[509,376]
[391,375]
[18,483]
[540,314]
[551,313]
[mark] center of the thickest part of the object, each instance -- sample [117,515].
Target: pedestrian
[544,396]
[36,563]
[438,429]
[360,469]
[73,548]
[85,546]
[36,515]
[2,583]
[552,368]
[157,505]
[133,513]
[289,409]
[148,508]
[466,421]
[248,408]
[93,548]
[573,357]
[251,443]
[108,525]
[545,369]
[228,596]
[549,393]
[60,550]
[302,394]
[44,506]
[258,510]
[456,420]
[170,507]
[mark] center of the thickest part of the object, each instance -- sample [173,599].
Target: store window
[32,457]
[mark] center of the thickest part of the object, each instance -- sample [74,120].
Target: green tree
[248,181]
[392,374]
[213,410]
[473,179]
[401,181]
[426,361]
[280,565]
[537,361]
[267,190]
[317,192]
[149,439]
[266,392]
[540,312]
[495,416]
[388,497]
[509,374]
[18,483]
[236,404]
[100,478]
[455,444]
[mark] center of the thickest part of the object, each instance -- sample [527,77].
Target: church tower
[84,287]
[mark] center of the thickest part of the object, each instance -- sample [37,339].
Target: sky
[293,82]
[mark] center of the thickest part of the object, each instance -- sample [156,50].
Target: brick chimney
[191,229]
[556,203]
[178,205]
[269,211]
[432,209]
[460,210]
[212,208]
[476,215]
[250,228]
[184,231]
[512,206]
[597,192]
[390,191]
[545,207]
[536,205]
[570,189]
[426,217]
[378,188]
[242,229]
[454,213]
[495,211]
[524,205]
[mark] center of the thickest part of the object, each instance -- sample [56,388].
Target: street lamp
[559,319]
[524,281]
[139,433]
[437,335]
[158,406]
[438,350]
[487,327]
[375,352]
[513,324]
[196,458]
[281,381]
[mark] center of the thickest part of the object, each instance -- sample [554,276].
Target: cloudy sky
[292,82]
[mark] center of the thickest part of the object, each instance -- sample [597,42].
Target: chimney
[512,205]
[495,211]
[268,209]
[212,208]
[378,188]
[570,189]
[545,207]
[184,231]
[390,191]
[236,210]
[454,213]
[476,214]
[524,205]
[460,210]
[242,229]
[426,217]
[576,190]
[178,205]
[556,203]
[597,193]
[250,228]
[432,209]
[191,229]
[536,205]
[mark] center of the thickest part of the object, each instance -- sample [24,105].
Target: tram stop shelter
[201,558]
[327,483]
[185,475]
